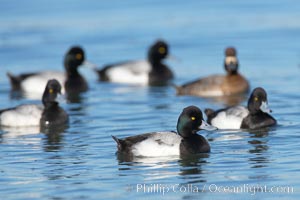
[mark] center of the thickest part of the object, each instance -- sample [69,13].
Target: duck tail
[15,81]
[177,88]
[209,114]
[102,73]
[119,142]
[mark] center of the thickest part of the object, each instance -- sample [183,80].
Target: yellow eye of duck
[78,56]
[51,90]
[162,50]
[193,118]
[255,98]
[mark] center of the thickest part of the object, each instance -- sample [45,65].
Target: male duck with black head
[50,114]
[34,83]
[151,72]
[218,85]
[254,116]
[185,142]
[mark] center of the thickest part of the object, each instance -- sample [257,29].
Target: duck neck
[183,130]
[71,69]
[256,112]
[50,105]
[155,59]
[253,110]
[231,69]
[157,66]
[232,73]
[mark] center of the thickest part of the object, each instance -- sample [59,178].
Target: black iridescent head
[158,51]
[53,88]
[74,58]
[258,101]
[191,121]
[231,62]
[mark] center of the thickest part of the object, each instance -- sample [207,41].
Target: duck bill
[206,126]
[89,64]
[265,108]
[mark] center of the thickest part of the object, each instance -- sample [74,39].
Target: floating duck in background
[143,72]
[186,142]
[34,84]
[255,116]
[51,114]
[218,85]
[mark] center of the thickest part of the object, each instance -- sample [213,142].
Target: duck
[46,115]
[151,72]
[218,85]
[168,143]
[256,115]
[34,83]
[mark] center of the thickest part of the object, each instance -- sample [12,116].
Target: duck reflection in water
[259,141]
[54,137]
[29,135]
[220,87]
[192,165]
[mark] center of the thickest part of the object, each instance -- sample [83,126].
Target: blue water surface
[80,162]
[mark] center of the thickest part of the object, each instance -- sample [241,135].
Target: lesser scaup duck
[71,80]
[35,115]
[186,142]
[144,72]
[255,116]
[218,85]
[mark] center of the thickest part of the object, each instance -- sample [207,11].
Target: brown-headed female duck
[218,85]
